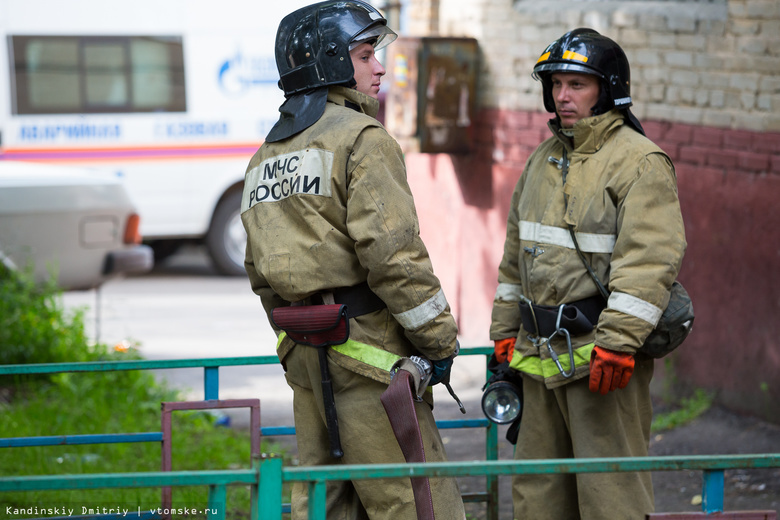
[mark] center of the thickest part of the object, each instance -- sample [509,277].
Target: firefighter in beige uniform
[328,210]
[602,177]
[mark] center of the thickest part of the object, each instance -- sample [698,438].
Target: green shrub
[34,328]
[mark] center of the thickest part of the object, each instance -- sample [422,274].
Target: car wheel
[226,239]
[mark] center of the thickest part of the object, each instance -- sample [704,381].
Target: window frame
[20,75]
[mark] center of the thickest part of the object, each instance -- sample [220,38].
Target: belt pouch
[314,325]
[573,320]
[318,326]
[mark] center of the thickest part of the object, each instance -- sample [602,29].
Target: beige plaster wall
[712,63]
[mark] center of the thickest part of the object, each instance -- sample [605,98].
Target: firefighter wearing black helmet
[598,184]
[331,222]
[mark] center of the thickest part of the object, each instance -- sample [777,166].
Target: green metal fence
[268,475]
[211,393]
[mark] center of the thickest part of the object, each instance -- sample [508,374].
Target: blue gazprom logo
[241,73]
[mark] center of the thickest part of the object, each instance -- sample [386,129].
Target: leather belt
[398,401]
[578,317]
[359,299]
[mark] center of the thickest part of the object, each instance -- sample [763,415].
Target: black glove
[441,369]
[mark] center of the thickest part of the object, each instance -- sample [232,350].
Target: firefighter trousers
[571,421]
[366,438]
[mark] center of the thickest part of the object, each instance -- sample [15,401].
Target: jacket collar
[353,99]
[589,134]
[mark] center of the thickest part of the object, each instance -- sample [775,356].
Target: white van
[172,96]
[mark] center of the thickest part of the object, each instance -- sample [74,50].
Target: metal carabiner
[553,354]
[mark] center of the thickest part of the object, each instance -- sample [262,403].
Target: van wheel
[226,239]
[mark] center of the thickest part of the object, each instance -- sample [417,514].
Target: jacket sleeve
[505,319]
[260,287]
[648,252]
[382,220]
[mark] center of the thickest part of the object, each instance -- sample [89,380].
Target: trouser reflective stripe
[545,368]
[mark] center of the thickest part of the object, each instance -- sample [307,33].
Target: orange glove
[504,348]
[609,370]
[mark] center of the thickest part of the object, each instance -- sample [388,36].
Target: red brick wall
[729,181]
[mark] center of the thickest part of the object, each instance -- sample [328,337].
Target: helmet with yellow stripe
[586,51]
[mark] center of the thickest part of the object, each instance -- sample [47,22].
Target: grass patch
[690,408]
[34,328]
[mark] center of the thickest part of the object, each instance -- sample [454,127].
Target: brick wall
[714,63]
[706,86]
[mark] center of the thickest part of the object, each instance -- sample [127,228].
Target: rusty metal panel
[431,101]
[167,434]
[447,91]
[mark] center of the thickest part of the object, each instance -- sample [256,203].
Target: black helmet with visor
[312,52]
[586,51]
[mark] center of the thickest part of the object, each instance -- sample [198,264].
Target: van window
[95,74]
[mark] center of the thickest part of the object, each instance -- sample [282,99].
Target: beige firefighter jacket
[621,193]
[331,207]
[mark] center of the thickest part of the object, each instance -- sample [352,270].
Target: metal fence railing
[268,475]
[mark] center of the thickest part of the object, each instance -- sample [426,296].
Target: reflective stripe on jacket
[621,198]
[331,207]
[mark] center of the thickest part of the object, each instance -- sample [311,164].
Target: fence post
[269,490]
[491,453]
[210,383]
[712,491]
[217,505]
[318,499]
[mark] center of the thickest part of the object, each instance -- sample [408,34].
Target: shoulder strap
[602,289]
[564,164]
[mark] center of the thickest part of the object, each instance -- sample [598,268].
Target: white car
[74,225]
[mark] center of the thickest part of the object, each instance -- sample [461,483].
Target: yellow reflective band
[376,357]
[571,55]
[543,57]
[534,365]
[370,355]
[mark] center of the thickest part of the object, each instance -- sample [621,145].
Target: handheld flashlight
[502,398]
